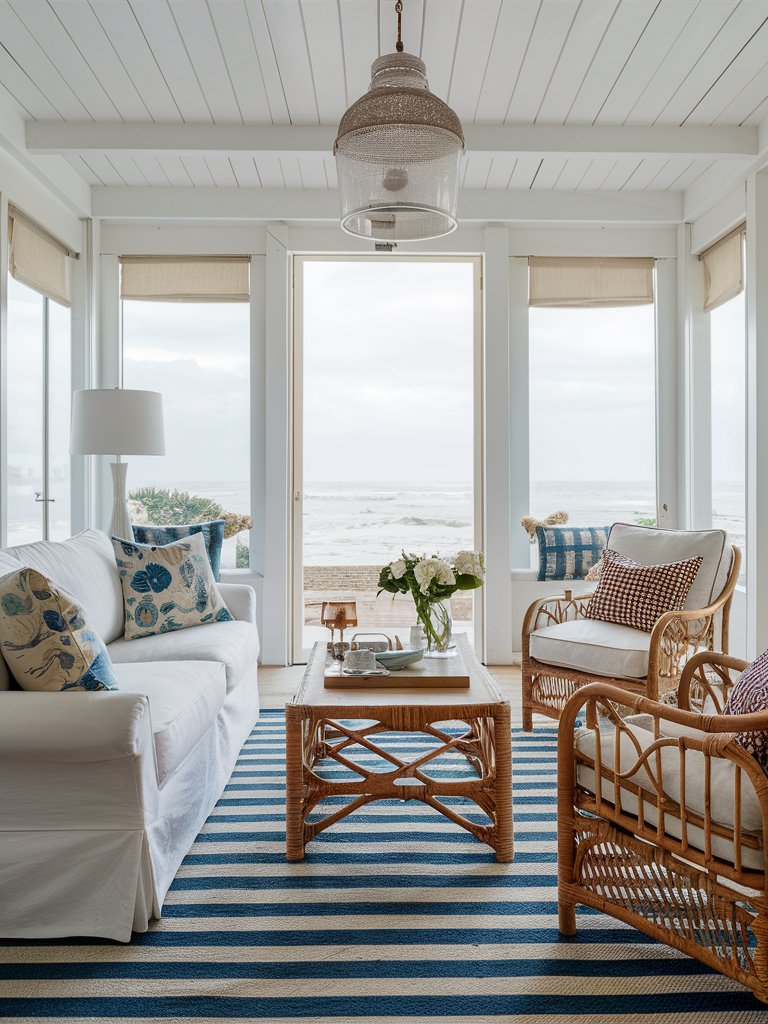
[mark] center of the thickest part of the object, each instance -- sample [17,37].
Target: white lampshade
[117,421]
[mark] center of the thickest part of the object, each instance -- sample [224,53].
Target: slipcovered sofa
[102,794]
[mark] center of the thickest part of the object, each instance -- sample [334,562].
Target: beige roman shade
[185,278]
[38,260]
[585,281]
[724,269]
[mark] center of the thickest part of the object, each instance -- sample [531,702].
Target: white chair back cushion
[85,566]
[650,546]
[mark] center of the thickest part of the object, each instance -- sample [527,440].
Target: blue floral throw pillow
[46,640]
[167,587]
[213,534]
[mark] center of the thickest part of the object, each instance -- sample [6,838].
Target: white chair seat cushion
[184,699]
[722,789]
[588,645]
[234,644]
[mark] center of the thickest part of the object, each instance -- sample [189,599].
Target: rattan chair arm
[555,605]
[694,614]
[711,724]
[698,661]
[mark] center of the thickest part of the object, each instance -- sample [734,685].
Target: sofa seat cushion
[184,699]
[234,644]
[722,789]
[84,566]
[588,645]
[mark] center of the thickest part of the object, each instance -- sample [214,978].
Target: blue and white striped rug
[396,915]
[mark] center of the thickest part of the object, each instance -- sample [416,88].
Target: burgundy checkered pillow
[636,595]
[748,696]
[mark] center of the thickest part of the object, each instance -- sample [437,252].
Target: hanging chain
[399,13]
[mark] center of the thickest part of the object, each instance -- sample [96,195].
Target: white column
[84,303]
[108,373]
[496,448]
[695,361]
[3,369]
[757,413]
[277,512]
[667,473]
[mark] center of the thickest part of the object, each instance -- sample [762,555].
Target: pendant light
[397,154]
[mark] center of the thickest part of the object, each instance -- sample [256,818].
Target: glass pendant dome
[397,156]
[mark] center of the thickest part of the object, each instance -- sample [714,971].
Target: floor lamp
[117,421]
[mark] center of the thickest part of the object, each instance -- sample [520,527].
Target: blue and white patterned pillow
[167,587]
[213,534]
[569,552]
[46,639]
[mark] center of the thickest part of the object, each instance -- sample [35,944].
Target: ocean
[348,523]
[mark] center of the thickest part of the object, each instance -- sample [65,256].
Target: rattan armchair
[674,839]
[562,650]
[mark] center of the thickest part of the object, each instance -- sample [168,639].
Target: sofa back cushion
[650,546]
[85,567]
[45,638]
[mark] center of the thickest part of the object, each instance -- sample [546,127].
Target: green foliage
[645,520]
[176,508]
[242,556]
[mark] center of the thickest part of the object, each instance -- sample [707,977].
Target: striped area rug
[396,915]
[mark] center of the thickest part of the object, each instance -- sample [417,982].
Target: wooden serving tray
[435,673]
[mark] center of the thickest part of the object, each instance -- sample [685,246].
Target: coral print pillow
[167,587]
[46,639]
[748,696]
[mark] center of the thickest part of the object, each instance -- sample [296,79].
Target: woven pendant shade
[397,156]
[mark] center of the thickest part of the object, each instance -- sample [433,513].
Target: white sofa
[102,794]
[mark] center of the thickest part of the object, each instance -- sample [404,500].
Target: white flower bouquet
[431,581]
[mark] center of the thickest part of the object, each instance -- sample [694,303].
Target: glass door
[39,403]
[386,432]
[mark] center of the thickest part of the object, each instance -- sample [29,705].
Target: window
[39,402]
[592,414]
[198,355]
[729,403]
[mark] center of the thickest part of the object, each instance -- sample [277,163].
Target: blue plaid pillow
[569,552]
[213,535]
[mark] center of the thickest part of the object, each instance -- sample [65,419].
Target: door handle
[43,500]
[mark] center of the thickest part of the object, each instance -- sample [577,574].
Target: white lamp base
[121,519]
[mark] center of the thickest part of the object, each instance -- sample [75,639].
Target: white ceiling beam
[83,137]
[485,205]
[51,173]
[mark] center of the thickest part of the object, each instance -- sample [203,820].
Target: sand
[359,583]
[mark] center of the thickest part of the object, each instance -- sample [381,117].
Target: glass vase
[437,623]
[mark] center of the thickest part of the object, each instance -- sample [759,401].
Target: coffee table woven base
[322,726]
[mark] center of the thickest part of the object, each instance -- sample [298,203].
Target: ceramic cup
[360,661]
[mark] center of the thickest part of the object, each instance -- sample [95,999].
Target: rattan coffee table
[326,724]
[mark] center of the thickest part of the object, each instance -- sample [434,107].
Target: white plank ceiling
[301,62]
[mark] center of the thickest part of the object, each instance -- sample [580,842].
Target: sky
[388,381]
[388,370]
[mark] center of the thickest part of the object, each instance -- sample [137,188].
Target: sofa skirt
[111,880]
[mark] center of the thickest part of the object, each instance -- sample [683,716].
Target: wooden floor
[278,685]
